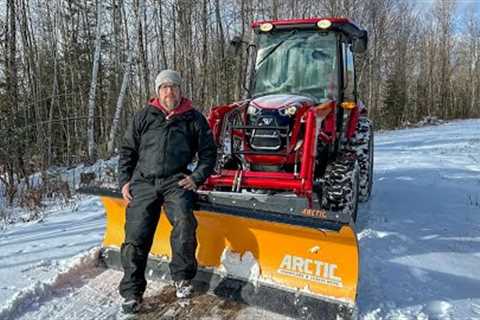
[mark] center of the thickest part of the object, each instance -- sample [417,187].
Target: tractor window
[296,62]
[348,73]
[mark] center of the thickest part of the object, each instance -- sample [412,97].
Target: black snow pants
[142,217]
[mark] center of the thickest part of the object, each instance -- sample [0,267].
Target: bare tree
[123,89]
[70,67]
[92,148]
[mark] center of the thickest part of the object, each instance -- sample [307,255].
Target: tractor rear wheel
[362,145]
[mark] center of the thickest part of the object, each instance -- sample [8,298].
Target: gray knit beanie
[167,76]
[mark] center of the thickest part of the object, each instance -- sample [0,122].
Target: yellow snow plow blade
[315,270]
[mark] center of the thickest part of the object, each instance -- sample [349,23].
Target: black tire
[362,145]
[340,189]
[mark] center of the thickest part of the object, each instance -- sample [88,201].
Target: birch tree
[92,148]
[125,80]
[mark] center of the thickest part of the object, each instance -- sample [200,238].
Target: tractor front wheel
[340,190]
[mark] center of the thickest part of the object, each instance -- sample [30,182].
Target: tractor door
[347,92]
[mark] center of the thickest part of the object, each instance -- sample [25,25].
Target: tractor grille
[267,136]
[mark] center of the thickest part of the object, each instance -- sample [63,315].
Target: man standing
[160,142]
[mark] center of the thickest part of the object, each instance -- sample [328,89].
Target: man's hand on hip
[127,196]
[188,183]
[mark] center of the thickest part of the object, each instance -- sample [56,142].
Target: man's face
[169,95]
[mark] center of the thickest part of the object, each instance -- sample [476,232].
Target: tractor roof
[344,25]
[294,22]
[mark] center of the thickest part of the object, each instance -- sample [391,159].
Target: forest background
[72,72]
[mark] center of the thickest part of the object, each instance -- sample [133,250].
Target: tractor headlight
[291,111]
[266,27]
[324,24]
[288,111]
[253,111]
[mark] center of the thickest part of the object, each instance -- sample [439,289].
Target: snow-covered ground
[33,254]
[420,233]
[419,241]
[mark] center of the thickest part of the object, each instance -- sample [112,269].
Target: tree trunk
[123,89]
[92,148]
[162,38]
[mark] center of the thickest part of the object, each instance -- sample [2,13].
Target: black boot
[131,306]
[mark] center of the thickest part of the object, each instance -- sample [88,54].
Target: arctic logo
[308,269]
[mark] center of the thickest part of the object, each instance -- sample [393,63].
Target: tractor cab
[293,62]
[311,58]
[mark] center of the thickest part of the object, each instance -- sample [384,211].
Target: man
[160,142]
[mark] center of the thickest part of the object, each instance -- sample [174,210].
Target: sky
[462,5]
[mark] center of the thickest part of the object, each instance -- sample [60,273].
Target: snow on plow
[294,265]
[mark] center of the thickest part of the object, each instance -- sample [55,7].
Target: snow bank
[438,310]
[57,186]
[69,274]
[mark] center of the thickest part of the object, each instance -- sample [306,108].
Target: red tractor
[301,143]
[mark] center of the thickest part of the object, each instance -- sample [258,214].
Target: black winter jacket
[155,147]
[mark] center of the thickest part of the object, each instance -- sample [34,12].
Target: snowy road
[420,233]
[419,241]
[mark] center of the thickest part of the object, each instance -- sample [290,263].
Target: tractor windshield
[298,62]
